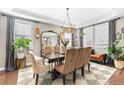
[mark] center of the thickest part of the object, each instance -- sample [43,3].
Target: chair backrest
[70,59]
[33,62]
[47,50]
[56,49]
[80,57]
[87,55]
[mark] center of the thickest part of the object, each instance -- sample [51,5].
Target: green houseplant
[117,53]
[20,46]
[64,42]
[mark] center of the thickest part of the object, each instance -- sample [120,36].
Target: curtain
[81,37]
[10,60]
[111,32]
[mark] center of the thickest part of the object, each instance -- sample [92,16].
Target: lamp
[67,27]
[37,32]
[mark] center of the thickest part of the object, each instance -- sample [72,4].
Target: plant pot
[20,53]
[119,64]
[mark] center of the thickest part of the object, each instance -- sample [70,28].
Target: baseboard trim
[2,68]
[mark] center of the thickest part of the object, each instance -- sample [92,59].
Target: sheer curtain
[101,37]
[88,39]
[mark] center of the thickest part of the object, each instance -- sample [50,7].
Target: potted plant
[117,53]
[64,42]
[20,46]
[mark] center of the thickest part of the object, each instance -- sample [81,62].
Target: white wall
[3,30]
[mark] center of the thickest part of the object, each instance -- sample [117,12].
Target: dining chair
[47,50]
[80,60]
[68,65]
[38,66]
[87,57]
[56,49]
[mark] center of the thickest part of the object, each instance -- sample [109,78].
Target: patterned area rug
[98,76]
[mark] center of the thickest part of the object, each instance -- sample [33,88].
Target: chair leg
[53,74]
[64,77]
[34,75]
[37,77]
[74,76]
[82,70]
[89,67]
[52,64]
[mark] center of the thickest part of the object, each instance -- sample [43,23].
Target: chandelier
[67,26]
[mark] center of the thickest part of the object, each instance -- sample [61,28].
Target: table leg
[55,74]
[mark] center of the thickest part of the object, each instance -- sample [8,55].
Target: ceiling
[79,16]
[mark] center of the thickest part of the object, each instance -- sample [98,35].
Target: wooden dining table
[56,58]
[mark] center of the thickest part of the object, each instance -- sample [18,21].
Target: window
[68,36]
[97,37]
[76,38]
[24,29]
[101,34]
[88,37]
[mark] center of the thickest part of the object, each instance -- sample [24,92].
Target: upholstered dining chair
[38,66]
[87,57]
[80,59]
[68,65]
[56,49]
[47,49]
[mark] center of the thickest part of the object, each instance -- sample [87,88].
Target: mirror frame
[49,31]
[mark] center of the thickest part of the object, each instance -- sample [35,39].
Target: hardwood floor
[10,78]
[116,79]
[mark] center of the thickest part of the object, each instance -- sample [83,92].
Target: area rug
[98,76]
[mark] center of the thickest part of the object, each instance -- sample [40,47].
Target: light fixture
[67,26]
[37,32]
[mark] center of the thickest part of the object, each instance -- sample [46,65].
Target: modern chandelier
[67,25]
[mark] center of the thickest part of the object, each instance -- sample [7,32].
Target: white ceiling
[79,16]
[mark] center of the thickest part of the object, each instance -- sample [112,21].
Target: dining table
[56,58]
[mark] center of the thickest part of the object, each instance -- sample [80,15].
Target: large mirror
[49,38]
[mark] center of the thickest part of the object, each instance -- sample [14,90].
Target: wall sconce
[37,32]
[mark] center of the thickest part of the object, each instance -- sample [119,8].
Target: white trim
[2,68]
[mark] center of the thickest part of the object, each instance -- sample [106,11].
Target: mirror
[49,38]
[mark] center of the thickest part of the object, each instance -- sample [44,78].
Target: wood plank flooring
[8,78]
[116,79]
